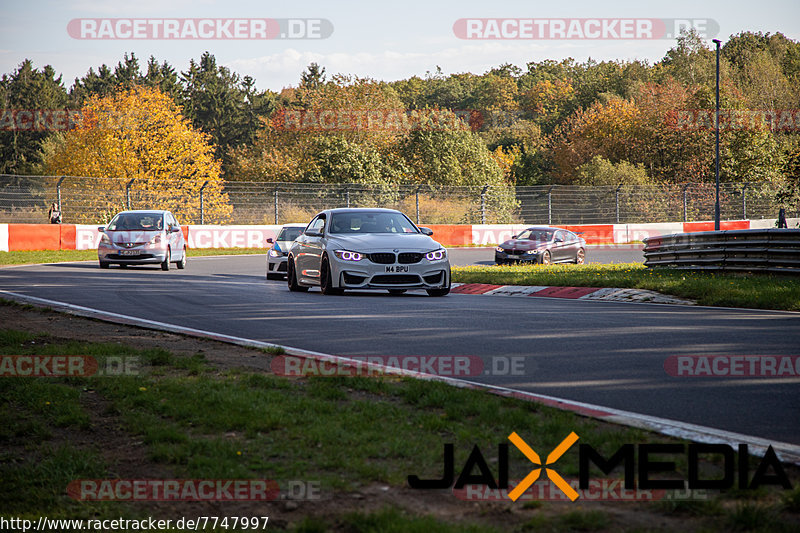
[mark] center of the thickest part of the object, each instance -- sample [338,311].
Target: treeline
[566,122]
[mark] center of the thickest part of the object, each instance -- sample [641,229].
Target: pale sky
[385,41]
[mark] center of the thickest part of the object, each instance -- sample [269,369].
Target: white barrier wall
[3,237]
[209,236]
[625,233]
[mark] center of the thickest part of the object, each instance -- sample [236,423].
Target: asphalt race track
[605,353]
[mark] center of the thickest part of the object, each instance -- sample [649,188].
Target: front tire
[291,278]
[580,257]
[325,280]
[104,264]
[546,259]
[165,263]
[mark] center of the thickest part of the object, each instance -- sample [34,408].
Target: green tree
[31,89]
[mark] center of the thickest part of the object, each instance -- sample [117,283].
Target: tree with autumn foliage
[140,134]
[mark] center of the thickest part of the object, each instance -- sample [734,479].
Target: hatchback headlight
[274,253]
[105,239]
[347,255]
[156,239]
[436,255]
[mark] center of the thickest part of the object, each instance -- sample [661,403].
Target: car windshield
[536,235]
[136,221]
[371,222]
[289,234]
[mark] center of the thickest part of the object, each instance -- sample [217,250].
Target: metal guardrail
[768,250]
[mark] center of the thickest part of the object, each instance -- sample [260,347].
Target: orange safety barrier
[34,237]
[450,234]
[593,233]
[693,227]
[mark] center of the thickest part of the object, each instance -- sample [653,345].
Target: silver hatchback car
[141,238]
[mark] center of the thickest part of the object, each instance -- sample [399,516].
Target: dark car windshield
[371,222]
[136,221]
[289,234]
[536,235]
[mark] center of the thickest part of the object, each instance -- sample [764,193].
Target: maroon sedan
[544,245]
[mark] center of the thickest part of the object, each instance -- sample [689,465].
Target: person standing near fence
[54,213]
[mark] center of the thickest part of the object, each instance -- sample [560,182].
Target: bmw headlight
[274,253]
[347,255]
[499,249]
[532,252]
[436,255]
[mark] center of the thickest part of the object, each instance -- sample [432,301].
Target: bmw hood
[368,242]
[523,244]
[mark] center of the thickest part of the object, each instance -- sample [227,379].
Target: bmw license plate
[129,252]
[513,256]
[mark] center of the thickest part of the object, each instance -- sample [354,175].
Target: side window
[561,235]
[316,225]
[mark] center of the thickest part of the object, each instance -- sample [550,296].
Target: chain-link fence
[25,199]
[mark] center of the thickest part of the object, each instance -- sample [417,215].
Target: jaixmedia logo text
[649,466]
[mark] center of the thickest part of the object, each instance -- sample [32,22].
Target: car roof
[297,225]
[162,211]
[360,210]
[544,228]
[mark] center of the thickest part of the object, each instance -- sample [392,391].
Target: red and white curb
[607,294]
[788,453]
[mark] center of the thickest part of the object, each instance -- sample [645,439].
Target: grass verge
[25,257]
[187,418]
[757,291]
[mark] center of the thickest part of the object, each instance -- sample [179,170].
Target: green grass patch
[61,256]
[199,422]
[758,291]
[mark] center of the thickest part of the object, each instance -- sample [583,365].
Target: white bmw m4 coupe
[367,249]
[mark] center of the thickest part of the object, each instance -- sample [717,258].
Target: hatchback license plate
[129,252]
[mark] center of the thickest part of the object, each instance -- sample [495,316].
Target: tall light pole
[716,159]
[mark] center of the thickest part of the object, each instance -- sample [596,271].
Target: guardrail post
[347,197]
[616,200]
[744,202]
[58,192]
[202,203]
[416,195]
[128,194]
[483,204]
[276,206]
[685,188]
[550,206]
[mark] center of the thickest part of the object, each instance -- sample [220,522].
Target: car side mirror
[101,229]
[312,233]
[559,239]
[426,231]
[175,229]
[513,236]
[269,240]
